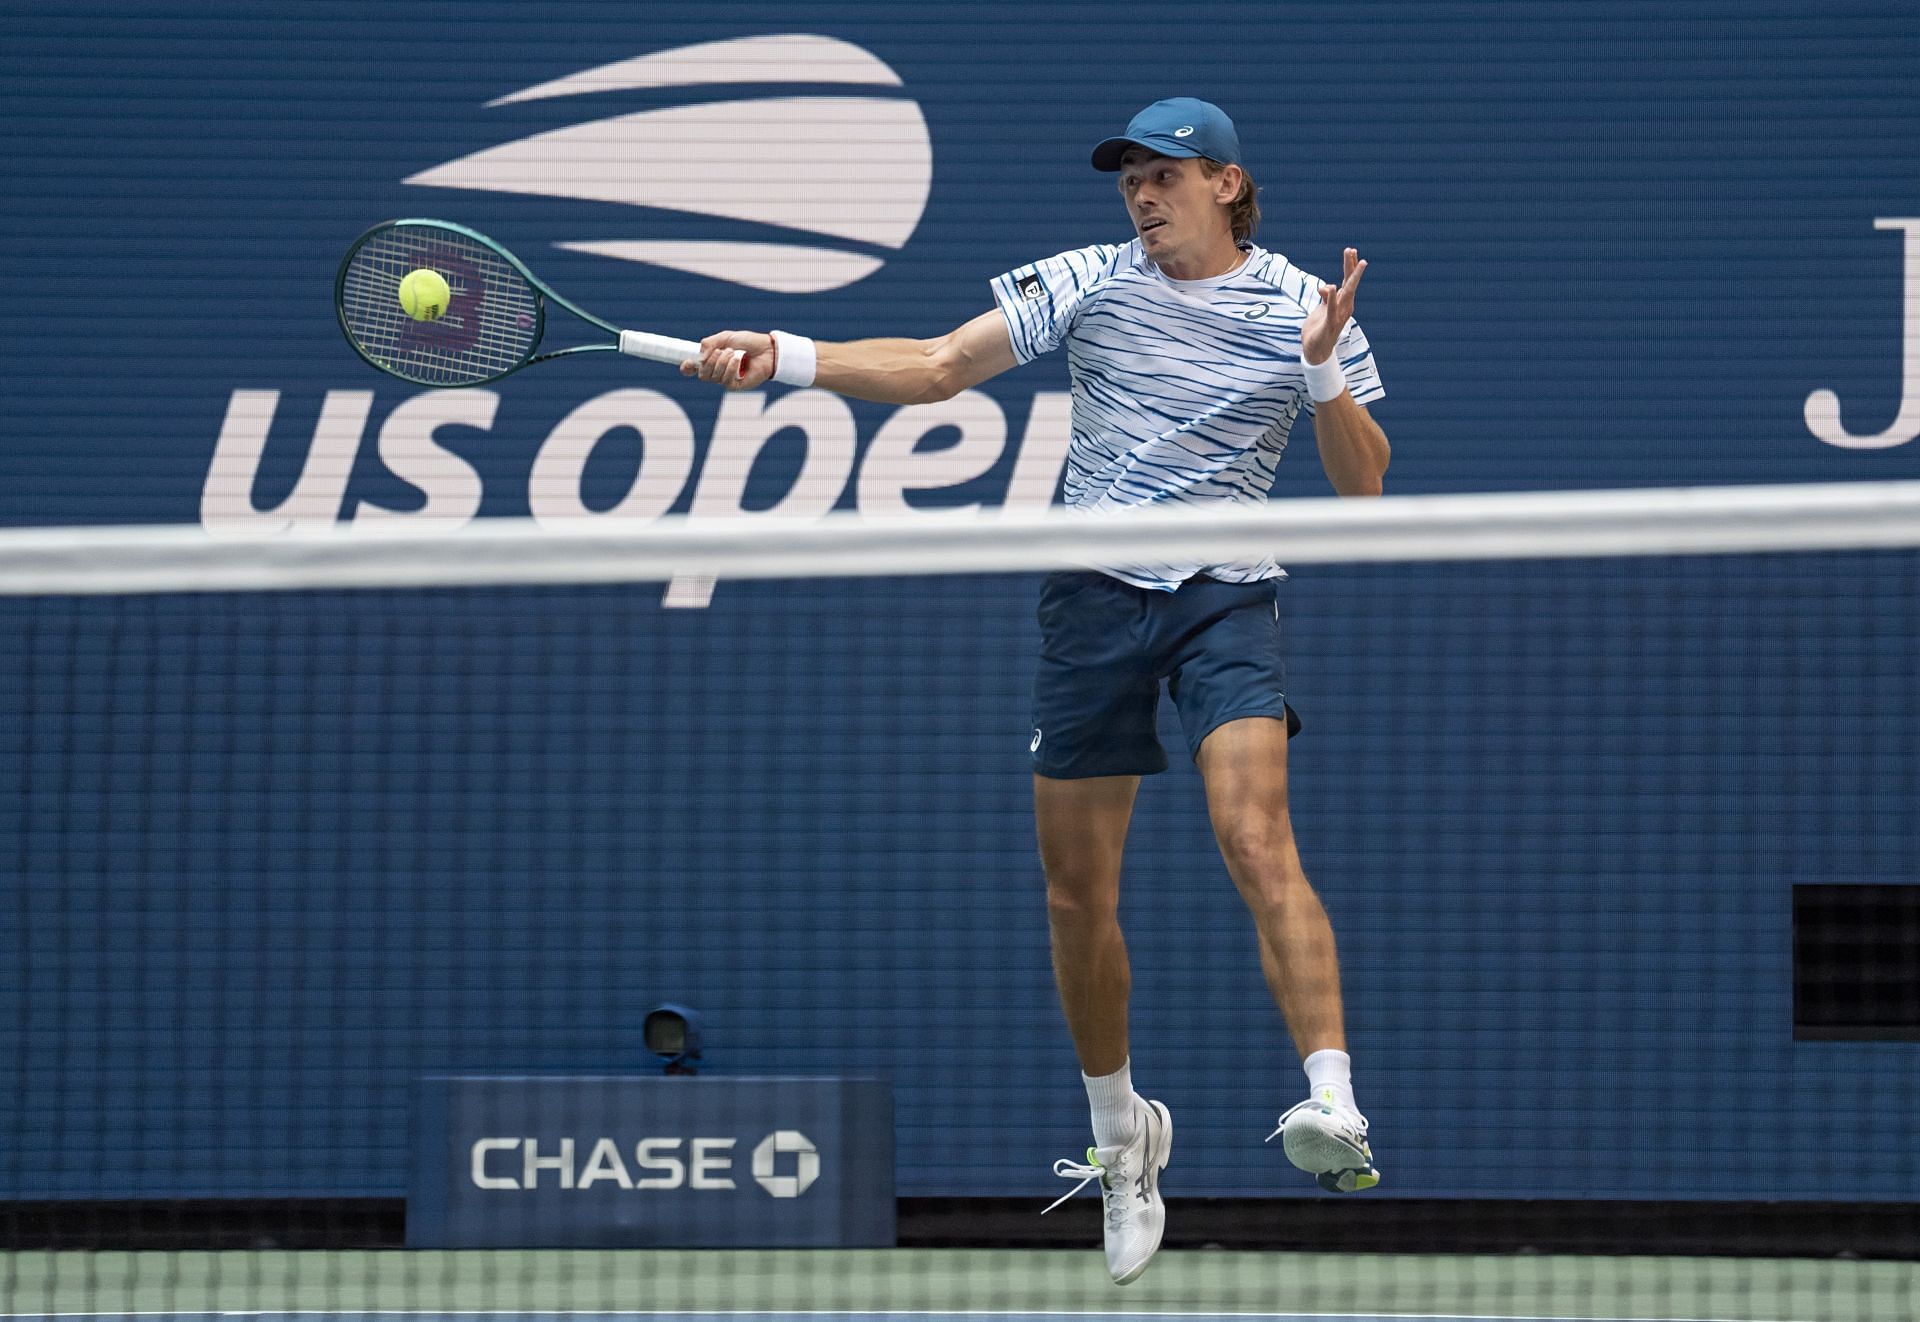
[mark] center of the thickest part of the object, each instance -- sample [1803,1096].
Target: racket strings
[490,327]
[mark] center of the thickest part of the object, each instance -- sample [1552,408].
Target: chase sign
[528,1161]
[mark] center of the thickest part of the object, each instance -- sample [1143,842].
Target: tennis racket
[495,318]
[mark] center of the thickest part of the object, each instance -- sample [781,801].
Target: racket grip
[658,348]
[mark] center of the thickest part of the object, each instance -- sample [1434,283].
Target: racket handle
[658,348]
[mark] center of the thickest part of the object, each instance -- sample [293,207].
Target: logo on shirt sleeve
[1032,288]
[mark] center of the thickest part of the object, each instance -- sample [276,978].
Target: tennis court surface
[928,1285]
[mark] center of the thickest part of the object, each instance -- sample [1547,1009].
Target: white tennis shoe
[1129,1176]
[1328,1140]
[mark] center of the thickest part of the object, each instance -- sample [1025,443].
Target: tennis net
[349,872]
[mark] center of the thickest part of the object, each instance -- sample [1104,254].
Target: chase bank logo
[856,169]
[806,1169]
[658,1163]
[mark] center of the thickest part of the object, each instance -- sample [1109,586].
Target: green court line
[1192,1281]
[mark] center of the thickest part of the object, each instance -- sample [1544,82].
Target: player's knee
[1261,856]
[1081,895]
[1266,868]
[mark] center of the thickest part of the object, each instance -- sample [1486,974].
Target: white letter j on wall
[1823,406]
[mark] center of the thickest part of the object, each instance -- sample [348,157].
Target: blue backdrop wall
[273,856]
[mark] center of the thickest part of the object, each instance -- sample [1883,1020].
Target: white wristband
[794,359]
[1325,381]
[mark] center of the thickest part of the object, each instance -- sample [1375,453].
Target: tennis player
[1192,352]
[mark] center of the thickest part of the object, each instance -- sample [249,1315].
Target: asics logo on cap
[1184,131]
[757,159]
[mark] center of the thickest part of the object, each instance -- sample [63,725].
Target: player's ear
[1226,184]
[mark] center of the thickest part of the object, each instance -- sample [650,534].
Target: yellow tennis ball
[424,294]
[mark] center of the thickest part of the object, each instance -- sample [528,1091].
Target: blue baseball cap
[1181,126]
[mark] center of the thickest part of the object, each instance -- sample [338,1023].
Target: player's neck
[1215,260]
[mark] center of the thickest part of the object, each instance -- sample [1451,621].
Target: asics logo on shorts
[1034,747]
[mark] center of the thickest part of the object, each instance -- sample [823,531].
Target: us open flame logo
[856,169]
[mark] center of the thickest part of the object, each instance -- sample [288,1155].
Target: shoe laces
[1113,1188]
[1352,1117]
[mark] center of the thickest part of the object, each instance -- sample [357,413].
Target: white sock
[1114,1115]
[1331,1071]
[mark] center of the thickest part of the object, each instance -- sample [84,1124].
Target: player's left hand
[1323,325]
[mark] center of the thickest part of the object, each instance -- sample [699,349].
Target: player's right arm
[892,371]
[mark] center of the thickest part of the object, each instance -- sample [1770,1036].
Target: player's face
[1175,208]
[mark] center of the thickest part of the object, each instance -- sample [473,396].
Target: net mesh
[1619,851]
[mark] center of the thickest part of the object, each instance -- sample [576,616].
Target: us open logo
[854,169]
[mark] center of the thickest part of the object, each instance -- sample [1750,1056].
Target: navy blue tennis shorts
[1106,645]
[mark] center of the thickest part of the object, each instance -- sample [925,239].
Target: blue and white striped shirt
[1184,391]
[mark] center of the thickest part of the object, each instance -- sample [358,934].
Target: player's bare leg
[1082,826]
[1244,764]
[1083,833]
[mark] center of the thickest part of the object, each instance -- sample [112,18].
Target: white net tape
[1528,525]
